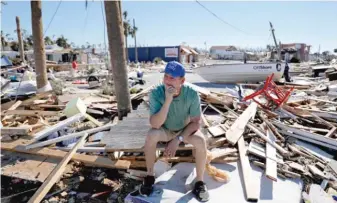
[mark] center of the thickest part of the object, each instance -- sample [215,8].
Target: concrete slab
[173,186]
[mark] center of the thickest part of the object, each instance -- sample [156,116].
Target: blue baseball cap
[175,69]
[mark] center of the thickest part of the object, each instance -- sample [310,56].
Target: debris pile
[78,132]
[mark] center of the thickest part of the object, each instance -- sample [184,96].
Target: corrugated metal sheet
[150,53]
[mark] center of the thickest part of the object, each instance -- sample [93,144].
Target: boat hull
[240,73]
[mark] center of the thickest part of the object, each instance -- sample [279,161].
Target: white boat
[240,73]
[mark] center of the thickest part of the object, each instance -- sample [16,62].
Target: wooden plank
[52,106]
[44,133]
[249,185]
[218,153]
[13,107]
[306,134]
[237,129]
[296,166]
[26,166]
[31,113]
[309,139]
[288,173]
[204,120]
[253,128]
[258,149]
[271,164]
[15,130]
[329,134]
[69,136]
[99,161]
[315,171]
[216,131]
[92,119]
[56,173]
[145,91]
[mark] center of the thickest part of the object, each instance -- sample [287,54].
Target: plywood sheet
[26,166]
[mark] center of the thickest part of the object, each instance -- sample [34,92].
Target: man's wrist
[180,138]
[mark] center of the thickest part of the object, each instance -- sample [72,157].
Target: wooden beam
[13,107]
[249,185]
[56,173]
[31,113]
[216,131]
[308,139]
[144,91]
[204,120]
[69,136]
[52,106]
[238,128]
[15,130]
[271,164]
[315,171]
[329,134]
[288,173]
[44,133]
[91,160]
[309,135]
[253,128]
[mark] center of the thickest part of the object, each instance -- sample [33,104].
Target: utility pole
[21,48]
[277,47]
[38,44]
[115,30]
[136,53]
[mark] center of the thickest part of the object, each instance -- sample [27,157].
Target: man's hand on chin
[171,148]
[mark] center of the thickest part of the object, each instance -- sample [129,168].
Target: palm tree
[117,52]
[127,30]
[39,48]
[48,41]
[62,42]
[4,39]
[133,32]
[30,40]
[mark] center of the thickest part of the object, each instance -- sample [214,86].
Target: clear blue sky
[171,23]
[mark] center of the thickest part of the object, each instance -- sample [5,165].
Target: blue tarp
[5,62]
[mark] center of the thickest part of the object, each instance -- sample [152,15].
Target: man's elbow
[154,124]
[196,126]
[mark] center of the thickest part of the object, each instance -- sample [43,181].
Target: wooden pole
[56,173]
[38,44]
[18,30]
[118,60]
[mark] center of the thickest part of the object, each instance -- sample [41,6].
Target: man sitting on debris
[175,117]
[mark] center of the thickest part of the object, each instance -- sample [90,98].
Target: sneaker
[200,191]
[147,187]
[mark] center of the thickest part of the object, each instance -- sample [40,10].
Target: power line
[220,18]
[58,6]
[104,24]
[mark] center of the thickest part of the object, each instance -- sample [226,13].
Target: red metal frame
[275,95]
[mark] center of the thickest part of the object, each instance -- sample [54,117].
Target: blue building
[167,53]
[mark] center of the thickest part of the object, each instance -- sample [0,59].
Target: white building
[226,52]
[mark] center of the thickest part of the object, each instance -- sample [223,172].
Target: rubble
[237,130]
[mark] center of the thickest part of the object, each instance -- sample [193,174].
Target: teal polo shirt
[184,106]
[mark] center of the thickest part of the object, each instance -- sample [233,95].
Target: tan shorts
[169,134]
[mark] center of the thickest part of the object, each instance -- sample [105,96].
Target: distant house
[53,53]
[298,50]
[226,52]
[183,54]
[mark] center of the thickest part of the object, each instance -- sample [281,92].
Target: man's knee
[153,135]
[198,140]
